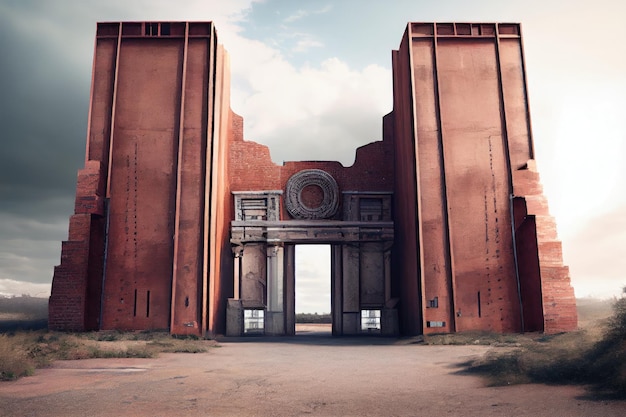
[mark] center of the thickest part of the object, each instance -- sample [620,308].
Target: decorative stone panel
[257,205]
[312,194]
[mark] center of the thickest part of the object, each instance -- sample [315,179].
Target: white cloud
[314,112]
[29,260]
[305,44]
[300,14]
[595,255]
[587,177]
[29,249]
[10,287]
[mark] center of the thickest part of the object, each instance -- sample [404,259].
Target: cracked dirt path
[319,376]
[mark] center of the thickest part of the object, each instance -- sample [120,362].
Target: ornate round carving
[312,181]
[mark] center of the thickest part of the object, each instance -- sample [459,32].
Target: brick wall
[555,295]
[69,296]
[251,169]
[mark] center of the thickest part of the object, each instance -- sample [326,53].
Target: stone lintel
[265,192]
[300,231]
[366,193]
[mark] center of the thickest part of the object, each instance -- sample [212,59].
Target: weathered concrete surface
[293,376]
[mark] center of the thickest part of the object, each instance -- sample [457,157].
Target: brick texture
[557,295]
[71,280]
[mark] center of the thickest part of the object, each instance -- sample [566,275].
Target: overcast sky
[312,80]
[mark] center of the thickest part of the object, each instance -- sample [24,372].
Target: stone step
[537,205]
[554,275]
[550,253]
[546,228]
[526,174]
[523,185]
[74,252]
[79,227]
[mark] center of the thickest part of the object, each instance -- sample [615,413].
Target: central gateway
[360,235]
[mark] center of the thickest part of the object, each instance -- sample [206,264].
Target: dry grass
[25,344]
[594,356]
[478,338]
[23,351]
[14,359]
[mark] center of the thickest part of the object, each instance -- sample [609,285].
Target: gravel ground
[310,374]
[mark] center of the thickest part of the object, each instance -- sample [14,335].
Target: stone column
[234,308]
[289,255]
[238,254]
[253,288]
[275,317]
[350,289]
[337,289]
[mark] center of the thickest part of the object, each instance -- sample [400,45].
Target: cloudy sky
[312,80]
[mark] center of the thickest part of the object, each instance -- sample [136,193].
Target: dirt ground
[309,374]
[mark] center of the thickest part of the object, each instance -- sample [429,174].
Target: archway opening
[313,289]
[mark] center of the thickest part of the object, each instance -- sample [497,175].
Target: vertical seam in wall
[507,156]
[531,142]
[333,290]
[179,167]
[217,130]
[107,193]
[450,272]
[358,285]
[107,202]
[91,92]
[207,177]
[285,289]
[418,194]
[113,106]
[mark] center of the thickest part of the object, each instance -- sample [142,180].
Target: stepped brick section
[70,296]
[557,294]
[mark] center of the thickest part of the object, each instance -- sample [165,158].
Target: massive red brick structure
[180,224]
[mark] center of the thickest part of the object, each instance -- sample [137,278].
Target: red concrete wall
[467,126]
[529,272]
[225,210]
[226,126]
[515,101]
[406,254]
[186,304]
[477,178]
[101,104]
[142,187]
[431,188]
[95,270]
[150,121]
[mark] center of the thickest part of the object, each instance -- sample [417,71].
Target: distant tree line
[32,307]
[313,318]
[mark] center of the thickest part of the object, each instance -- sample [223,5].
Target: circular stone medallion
[312,194]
